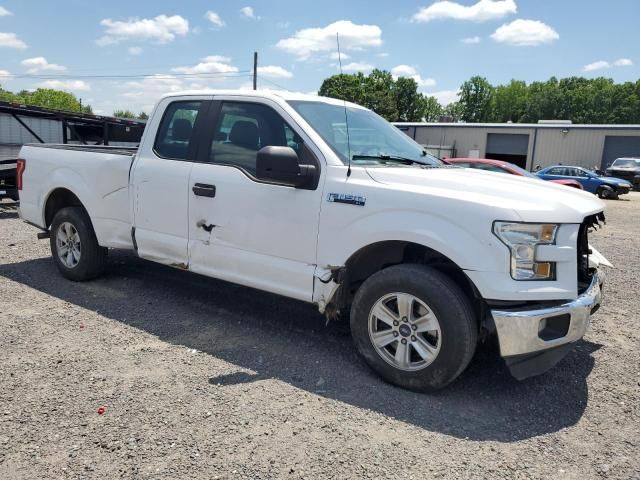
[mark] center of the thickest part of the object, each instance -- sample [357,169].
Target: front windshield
[373,140]
[626,162]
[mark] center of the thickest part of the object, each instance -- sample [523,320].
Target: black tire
[607,193]
[93,257]
[458,324]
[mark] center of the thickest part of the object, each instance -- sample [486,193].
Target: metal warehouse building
[529,145]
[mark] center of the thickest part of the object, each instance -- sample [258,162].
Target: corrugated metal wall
[577,146]
[12,132]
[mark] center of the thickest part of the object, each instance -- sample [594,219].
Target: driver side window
[243,129]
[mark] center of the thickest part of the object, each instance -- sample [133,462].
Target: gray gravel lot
[204,379]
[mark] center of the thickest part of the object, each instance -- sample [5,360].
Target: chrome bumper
[519,331]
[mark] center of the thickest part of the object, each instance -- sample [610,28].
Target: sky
[119,54]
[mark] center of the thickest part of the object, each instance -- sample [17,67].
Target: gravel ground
[203,379]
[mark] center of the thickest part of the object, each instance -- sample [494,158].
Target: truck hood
[531,199]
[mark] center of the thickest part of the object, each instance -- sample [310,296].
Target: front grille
[592,222]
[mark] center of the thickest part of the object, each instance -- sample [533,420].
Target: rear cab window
[174,139]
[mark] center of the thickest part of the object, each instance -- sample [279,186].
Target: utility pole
[255,70]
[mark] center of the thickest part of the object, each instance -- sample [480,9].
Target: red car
[504,167]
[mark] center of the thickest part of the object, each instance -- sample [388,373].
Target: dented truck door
[242,229]
[160,180]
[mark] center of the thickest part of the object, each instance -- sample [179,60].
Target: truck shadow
[8,210]
[268,336]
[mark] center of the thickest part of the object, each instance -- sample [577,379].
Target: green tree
[54,99]
[509,102]
[453,111]
[379,94]
[475,99]
[124,114]
[143,116]
[409,103]
[431,109]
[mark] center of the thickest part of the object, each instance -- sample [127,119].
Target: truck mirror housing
[282,165]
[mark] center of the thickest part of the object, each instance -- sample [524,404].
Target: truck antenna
[346,116]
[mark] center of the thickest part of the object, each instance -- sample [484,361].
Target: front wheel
[74,246]
[414,326]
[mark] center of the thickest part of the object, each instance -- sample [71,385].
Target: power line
[239,73]
[273,83]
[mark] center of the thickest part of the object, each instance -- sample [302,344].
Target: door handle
[204,190]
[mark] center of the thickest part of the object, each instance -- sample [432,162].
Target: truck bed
[97,175]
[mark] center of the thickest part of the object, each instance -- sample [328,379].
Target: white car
[278,192]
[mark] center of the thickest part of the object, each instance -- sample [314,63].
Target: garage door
[509,147]
[616,147]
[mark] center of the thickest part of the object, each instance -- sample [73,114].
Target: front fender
[472,248]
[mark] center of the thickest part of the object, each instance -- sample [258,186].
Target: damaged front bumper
[532,341]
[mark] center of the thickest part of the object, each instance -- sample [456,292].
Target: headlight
[522,240]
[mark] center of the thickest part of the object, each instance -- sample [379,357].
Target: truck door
[160,180]
[245,230]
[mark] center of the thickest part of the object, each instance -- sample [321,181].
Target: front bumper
[522,332]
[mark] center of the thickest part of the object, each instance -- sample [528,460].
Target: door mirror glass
[282,165]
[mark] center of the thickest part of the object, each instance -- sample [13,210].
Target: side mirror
[282,165]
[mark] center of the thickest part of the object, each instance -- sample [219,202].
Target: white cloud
[522,33]
[274,71]
[308,41]
[343,56]
[10,40]
[357,67]
[209,65]
[142,95]
[215,19]
[66,85]
[4,12]
[134,50]
[383,55]
[249,13]
[40,64]
[5,75]
[444,97]
[161,29]
[471,40]
[481,11]
[603,65]
[410,72]
[599,65]
[623,62]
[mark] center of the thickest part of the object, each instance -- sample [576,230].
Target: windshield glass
[370,135]
[522,171]
[626,162]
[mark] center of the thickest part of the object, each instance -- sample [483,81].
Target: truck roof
[276,95]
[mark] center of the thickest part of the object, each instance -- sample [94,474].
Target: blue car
[604,187]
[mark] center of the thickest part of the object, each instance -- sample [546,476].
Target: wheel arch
[58,199]
[377,256]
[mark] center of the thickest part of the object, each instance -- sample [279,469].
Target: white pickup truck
[326,202]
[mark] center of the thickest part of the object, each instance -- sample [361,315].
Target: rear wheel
[74,246]
[414,326]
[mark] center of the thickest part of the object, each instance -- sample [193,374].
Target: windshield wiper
[389,158]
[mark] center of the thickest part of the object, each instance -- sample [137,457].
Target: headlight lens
[522,240]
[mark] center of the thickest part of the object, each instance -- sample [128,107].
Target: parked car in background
[504,167]
[626,169]
[604,187]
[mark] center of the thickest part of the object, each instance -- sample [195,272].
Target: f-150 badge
[347,198]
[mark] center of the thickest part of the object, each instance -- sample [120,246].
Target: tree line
[46,98]
[581,100]
[59,100]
